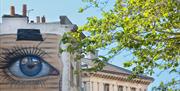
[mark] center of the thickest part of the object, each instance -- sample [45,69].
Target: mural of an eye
[25,66]
[30,67]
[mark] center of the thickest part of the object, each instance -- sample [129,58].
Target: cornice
[117,76]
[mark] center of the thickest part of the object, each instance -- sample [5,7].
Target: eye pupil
[30,65]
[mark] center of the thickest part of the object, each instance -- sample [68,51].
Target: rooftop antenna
[11,3]
[28,11]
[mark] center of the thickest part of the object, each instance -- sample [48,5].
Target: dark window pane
[120,88]
[29,34]
[133,89]
[106,87]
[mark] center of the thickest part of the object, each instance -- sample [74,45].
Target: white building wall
[10,26]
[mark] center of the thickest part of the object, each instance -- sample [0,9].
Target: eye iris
[30,65]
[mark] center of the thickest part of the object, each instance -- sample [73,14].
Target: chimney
[12,11]
[43,19]
[24,11]
[38,19]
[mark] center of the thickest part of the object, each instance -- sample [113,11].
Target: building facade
[112,78]
[29,54]
[30,59]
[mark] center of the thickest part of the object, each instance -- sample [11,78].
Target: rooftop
[63,19]
[116,70]
[113,69]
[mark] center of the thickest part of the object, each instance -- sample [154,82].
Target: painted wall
[51,33]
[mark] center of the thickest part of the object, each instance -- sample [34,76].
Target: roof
[110,68]
[113,69]
[15,16]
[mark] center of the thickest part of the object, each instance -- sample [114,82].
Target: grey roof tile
[116,69]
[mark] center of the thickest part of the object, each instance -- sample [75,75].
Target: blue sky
[52,9]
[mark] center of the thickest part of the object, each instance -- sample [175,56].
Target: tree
[150,29]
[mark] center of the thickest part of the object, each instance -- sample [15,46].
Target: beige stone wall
[51,46]
[97,84]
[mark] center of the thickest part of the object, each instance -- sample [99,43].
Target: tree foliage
[150,29]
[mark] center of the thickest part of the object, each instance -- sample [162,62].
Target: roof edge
[129,72]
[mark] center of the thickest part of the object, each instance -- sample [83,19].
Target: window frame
[106,87]
[120,88]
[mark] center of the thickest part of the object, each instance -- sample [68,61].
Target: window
[98,86]
[120,88]
[72,75]
[133,89]
[29,34]
[84,86]
[140,89]
[92,85]
[106,87]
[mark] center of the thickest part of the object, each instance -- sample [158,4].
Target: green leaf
[81,10]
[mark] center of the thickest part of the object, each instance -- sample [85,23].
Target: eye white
[16,71]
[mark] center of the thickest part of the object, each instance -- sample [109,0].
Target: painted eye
[30,67]
[26,66]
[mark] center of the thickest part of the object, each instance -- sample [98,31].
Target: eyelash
[6,57]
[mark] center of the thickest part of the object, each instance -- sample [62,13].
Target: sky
[52,9]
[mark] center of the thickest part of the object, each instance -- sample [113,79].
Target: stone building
[112,78]
[29,54]
[30,59]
